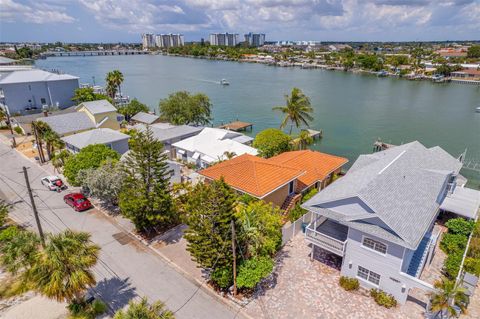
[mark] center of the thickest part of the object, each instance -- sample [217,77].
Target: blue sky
[322,20]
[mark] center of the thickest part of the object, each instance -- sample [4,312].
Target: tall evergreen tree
[211,209]
[145,197]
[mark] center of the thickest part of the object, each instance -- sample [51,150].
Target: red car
[77,201]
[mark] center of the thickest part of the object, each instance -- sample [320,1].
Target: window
[368,275]
[375,245]
[43,101]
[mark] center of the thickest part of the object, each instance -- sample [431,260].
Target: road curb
[201,285]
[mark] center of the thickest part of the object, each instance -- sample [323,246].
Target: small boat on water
[224,82]
[382,73]
[438,78]
[477,109]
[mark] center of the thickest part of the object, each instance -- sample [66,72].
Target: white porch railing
[324,241]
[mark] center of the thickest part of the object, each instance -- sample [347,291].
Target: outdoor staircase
[418,259]
[290,202]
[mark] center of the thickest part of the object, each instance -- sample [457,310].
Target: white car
[53,183]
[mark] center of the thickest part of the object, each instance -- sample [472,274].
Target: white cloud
[33,12]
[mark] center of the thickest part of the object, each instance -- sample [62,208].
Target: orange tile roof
[316,165]
[253,175]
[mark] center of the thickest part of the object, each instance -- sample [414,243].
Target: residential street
[126,268]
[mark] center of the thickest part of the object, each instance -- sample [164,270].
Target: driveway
[300,288]
[126,268]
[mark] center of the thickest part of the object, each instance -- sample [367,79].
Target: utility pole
[34,208]
[234,260]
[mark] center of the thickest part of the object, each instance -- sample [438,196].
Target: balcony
[327,234]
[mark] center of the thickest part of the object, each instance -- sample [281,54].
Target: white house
[106,136]
[212,145]
[35,89]
[380,216]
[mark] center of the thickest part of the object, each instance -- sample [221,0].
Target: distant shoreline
[310,66]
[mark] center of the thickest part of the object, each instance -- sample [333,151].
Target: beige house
[101,112]
[88,115]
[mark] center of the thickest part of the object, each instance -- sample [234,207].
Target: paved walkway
[301,288]
[37,307]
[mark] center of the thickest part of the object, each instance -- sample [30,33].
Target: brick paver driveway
[301,288]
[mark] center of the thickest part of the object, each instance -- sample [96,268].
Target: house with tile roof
[320,168]
[279,180]
[379,218]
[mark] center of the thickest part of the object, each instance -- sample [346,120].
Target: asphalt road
[126,268]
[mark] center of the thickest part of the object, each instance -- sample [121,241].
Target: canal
[352,110]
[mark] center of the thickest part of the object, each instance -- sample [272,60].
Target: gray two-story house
[379,217]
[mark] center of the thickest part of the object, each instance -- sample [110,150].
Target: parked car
[77,201]
[53,183]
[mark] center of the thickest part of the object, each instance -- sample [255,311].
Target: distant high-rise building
[169,40]
[255,39]
[148,40]
[226,39]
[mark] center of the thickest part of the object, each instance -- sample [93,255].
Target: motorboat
[224,82]
[477,109]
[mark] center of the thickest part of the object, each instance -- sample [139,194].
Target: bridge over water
[92,53]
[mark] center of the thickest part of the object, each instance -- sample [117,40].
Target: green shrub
[18,130]
[349,284]
[8,233]
[83,310]
[472,265]
[309,194]
[474,248]
[383,299]
[460,226]
[98,307]
[476,229]
[453,243]
[253,270]
[222,277]
[296,213]
[452,264]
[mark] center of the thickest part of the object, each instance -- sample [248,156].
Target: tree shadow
[171,236]
[115,292]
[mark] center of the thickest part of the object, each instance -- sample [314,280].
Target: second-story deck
[327,234]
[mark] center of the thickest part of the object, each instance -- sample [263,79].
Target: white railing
[329,243]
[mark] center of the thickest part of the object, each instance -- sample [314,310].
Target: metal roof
[165,131]
[69,123]
[98,107]
[96,136]
[404,187]
[146,118]
[462,201]
[34,75]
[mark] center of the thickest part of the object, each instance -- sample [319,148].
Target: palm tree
[302,141]
[144,310]
[446,296]
[19,253]
[52,141]
[58,159]
[113,79]
[63,270]
[298,109]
